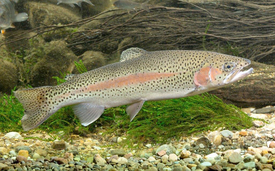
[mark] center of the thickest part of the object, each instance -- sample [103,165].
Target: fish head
[220,69]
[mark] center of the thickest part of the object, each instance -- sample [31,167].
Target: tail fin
[37,109]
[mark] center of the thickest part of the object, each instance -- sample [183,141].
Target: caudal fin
[37,109]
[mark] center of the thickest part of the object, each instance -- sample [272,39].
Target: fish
[8,15]
[131,5]
[139,76]
[74,2]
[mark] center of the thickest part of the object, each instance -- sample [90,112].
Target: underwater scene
[150,85]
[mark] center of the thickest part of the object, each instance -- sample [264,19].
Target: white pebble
[13,135]
[173,157]
[151,159]
[164,158]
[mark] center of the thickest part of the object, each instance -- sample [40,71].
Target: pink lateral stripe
[127,80]
[119,82]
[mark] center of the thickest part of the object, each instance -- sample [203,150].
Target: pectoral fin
[133,109]
[87,113]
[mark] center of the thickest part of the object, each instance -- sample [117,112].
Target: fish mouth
[238,74]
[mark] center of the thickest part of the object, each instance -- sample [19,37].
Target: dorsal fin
[131,53]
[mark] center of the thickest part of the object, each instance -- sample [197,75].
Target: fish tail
[36,104]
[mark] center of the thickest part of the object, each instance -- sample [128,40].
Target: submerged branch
[246,24]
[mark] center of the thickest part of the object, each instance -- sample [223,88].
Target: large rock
[8,76]
[57,59]
[256,90]
[47,13]
[92,60]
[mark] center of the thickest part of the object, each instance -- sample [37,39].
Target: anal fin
[87,113]
[133,109]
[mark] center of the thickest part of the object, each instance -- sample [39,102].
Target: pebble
[243,133]
[58,145]
[258,123]
[23,153]
[227,133]
[235,158]
[41,152]
[206,164]
[172,157]
[99,160]
[3,150]
[167,148]
[35,156]
[122,160]
[151,159]
[164,159]
[119,152]
[185,154]
[13,135]
[18,148]
[249,150]
[271,144]
[3,166]
[21,158]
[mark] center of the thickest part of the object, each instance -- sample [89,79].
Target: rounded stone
[21,158]
[41,14]
[185,154]
[235,158]
[164,159]
[172,157]
[57,58]
[17,149]
[119,152]
[167,148]
[8,76]
[41,152]
[35,156]
[3,150]
[151,159]
[227,133]
[13,135]
[272,144]
[24,153]
[122,160]
[243,133]
[93,59]
[206,164]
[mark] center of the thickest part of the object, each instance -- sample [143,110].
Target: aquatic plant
[11,112]
[161,120]
[80,66]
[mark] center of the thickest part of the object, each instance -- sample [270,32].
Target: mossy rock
[92,60]
[4,54]
[99,6]
[58,59]
[8,76]
[41,14]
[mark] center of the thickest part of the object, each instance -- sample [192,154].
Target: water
[42,50]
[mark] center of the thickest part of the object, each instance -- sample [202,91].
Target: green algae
[160,121]
[11,112]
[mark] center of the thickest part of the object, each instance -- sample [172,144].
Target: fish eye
[229,66]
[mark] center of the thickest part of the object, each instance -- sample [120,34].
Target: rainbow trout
[139,76]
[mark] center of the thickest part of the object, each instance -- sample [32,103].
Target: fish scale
[139,76]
